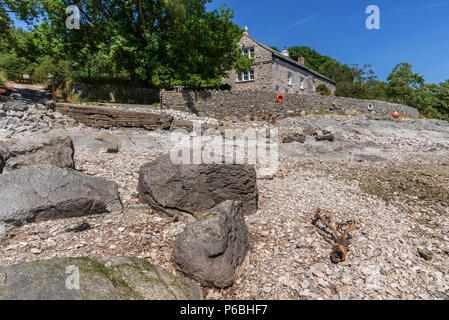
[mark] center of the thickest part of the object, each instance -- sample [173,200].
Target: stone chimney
[285,52]
[302,60]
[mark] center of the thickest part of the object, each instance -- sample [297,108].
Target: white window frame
[249,52]
[301,82]
[246,76]
[290,78]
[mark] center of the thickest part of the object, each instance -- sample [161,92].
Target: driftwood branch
[340,241]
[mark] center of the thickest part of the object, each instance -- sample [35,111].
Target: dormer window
[249,52]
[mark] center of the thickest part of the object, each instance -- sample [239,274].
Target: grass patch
[210,216]
[322,112]
[427,183]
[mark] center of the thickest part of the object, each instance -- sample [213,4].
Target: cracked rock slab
[39,193]
[114,278]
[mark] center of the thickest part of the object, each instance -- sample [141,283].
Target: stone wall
[255,104]
[120,92]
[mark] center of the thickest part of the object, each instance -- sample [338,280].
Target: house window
[301,83]
[249,52]
[290,76]
[245,76]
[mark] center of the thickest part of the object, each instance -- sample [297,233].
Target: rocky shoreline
[398,224]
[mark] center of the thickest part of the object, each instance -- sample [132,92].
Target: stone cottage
[274,71]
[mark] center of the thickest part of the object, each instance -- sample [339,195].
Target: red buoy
[280,98]
[395,114]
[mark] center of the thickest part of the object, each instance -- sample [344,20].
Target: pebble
[35,251]
[267,289]
[2,229]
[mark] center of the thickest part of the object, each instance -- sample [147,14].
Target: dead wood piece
[339,253]
[341,240]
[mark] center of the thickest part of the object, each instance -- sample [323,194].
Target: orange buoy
[395,114]
[280,98]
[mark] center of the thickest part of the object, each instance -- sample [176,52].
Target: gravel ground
[290,259]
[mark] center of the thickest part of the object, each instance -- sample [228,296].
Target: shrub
[59,69]
[2,78]
[14,67]
[323,90]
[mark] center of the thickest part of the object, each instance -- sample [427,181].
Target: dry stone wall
[244,104]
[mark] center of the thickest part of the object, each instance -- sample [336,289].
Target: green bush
[2,78]
[14,67]
[323,90]
[59,69]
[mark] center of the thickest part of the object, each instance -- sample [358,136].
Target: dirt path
[30,92]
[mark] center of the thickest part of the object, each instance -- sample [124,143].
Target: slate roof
[278,55]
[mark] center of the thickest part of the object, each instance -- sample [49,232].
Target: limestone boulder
[194,189]
[38,193]
[115,278]
[214,249]
[37,149]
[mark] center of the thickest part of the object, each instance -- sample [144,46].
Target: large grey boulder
[37,149]
[194,189]
[116,278]
[38,193]
[214,249]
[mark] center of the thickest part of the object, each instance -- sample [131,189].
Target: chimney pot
[285,52]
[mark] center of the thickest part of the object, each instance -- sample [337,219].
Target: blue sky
[411,31]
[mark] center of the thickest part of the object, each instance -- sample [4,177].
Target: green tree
[5,29]
[403,83]
[169,39]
